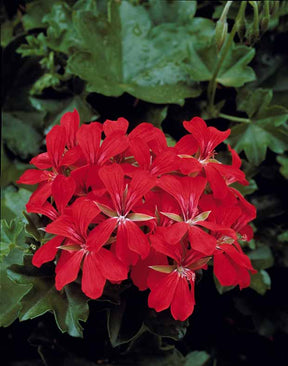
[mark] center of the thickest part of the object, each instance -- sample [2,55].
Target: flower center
[186,272]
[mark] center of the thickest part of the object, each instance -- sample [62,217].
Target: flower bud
[221,33]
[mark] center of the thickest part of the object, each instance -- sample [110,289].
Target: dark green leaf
[262,258]
[165,11]
[12,236]
[123,326]
[138,62]
[244,190]
[35,11]
[222,289]
[265,127]
[9,304]
[20,138]
[164,325]
[69,306]
[283,160]
[55,108]
[283,237]
[234,70]
[15,201]
[260,282]
[196,358]
[60,32]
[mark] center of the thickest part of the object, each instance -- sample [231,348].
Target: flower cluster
[127,204]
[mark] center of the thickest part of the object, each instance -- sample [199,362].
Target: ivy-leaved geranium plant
[125,205]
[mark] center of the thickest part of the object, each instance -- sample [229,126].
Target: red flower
[99,264]
[118,205]
[231,265]
[197,152]
[173,285]
[187,192]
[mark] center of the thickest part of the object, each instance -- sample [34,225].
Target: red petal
[141,152]
[189,165]
[68,267]
[74,157]
[122,250]
[65,226]
[183,302]
[162,292]
[33,176]
[140,271]
[174,233]
[40,195]
[112,145]
[201,241]
[140,184]
[42,161]
[70,121]
[46,209]
[84,211]
[187,145]
[55,141]
[110,266]
[47,252]
[101,234]
[113,178]
[136,240]
[63,189]
[216,181]
[164,163]
[224,270]
[93,281]
[119,126]
[89,137]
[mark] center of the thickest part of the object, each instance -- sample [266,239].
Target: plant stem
[213,83]
[234,118]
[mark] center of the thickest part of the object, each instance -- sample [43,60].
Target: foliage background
[161,62]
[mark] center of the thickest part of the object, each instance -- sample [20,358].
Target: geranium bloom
[187,191]
[173,285]
[128,202]
[99,263]
[231,265]
[118,205]
[198,152]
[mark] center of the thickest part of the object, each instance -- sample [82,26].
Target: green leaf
[165,11]
[261,258]
[245,190]
[283,160]
[20,138]
[7,30]
[283,237]
[129,57]
[60,32]
[55,108]
[36,46]
[266,127]
[35,12]
[196,358]
[123,326]
[12,236]
[164,325]
[221,289]
[15,201]
[234,70]
[13,239]
[260,282]
[12,169]
[69,306]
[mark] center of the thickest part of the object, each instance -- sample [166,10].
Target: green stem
[234,118]
[213,83]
